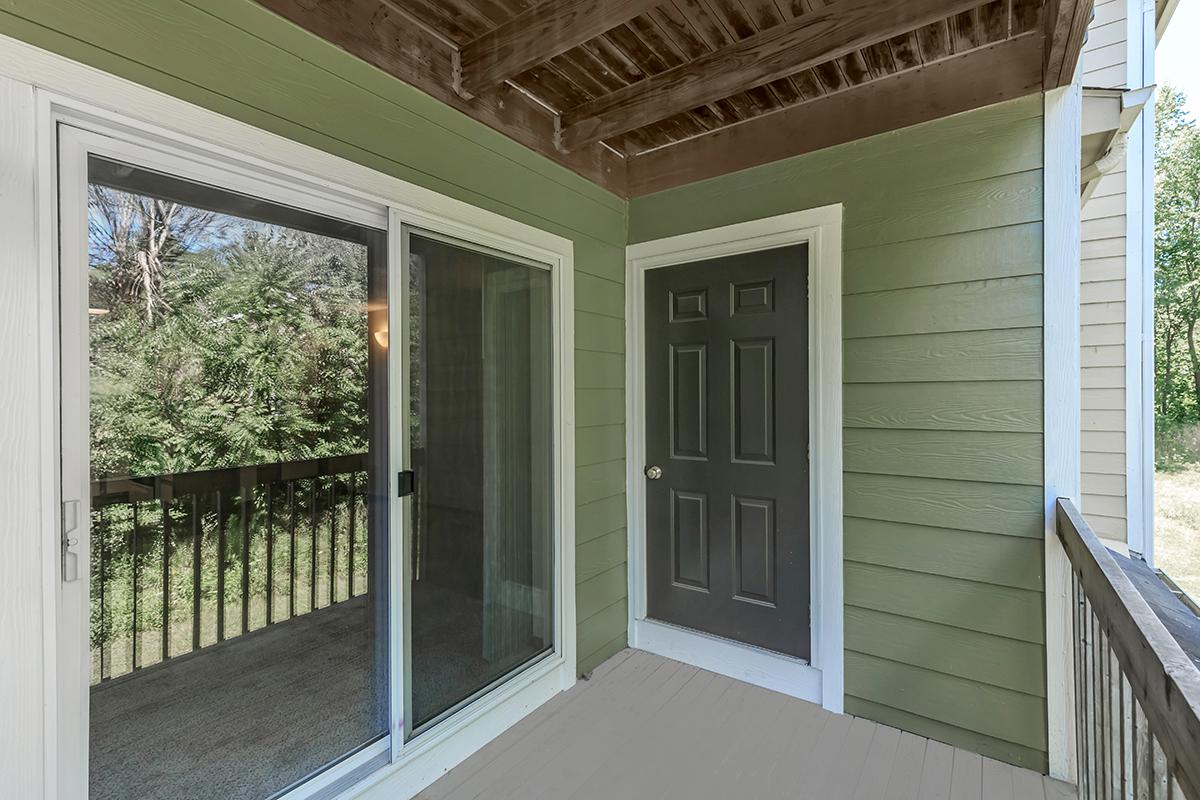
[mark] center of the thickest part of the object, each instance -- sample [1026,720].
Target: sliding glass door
[481,445]
[239,555]
[291,547]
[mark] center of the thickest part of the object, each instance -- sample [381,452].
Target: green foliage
[259,355]
[1177,260]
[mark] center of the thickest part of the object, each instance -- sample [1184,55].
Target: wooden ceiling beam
[806,41]
[380,35]
[1066,25]
[548,29]
[977,78]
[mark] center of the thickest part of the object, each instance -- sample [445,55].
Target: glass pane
[480,427]
[238,459]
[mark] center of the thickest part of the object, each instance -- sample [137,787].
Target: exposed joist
[546,30]
[806,41]
[960,83]
[381,36]
[1066,25]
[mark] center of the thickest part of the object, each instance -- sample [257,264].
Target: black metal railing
[181,562]
[1137,694]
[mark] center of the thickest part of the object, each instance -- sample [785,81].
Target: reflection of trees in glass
[220,342]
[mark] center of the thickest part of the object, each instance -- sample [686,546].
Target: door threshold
[754,665]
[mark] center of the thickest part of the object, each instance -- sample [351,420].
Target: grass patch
[1177,504]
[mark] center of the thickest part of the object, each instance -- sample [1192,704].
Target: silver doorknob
[654,473]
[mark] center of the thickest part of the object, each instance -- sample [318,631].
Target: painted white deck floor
[646,727]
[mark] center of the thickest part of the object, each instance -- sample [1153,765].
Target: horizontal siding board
[974,306]
[599,295]
[1014,406]
[1027,757]
[1012,561]
[969,256]
[1102,355]
[1105,268]
[1103,483]
[597,370]
[1106,334]
[899,214]
[1102,504]
[597,630]
[962,505]
[603,407]
[958,455]
[1093,419]
[1014,354]
[1000,713]
[600,443]
[1103,463]
[993,660]
[598,518]
[599,592]
[598,332]
[1103,377]
[599,481]
[600,555]
[1103,442]
[1094,291]
[987,608]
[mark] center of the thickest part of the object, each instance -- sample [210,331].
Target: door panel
[727,524]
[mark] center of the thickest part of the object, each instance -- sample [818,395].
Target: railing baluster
[350,536]
[312,566]
[166,581]
[1137,693]
[270,554]
[186,495]
[133,560]
[197,540]
[292,549]
[245,490]
[220,566]
[105,626]
[332,540]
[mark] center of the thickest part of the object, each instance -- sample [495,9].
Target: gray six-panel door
[727,520]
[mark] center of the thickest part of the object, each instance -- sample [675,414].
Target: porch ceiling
[641,95]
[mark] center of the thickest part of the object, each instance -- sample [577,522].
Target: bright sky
[1177,58]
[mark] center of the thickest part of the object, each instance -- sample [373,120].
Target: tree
[1177,258]
[138,236]
[253,350]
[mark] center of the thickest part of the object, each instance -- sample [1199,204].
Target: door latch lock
[407,483]
[654,472]
[70,555]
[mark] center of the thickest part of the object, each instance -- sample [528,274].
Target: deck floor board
[654,729]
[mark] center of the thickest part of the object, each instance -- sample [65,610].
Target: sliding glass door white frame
[208,148]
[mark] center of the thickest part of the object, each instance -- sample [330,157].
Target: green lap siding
[236,58]
[942,348]
[942,324]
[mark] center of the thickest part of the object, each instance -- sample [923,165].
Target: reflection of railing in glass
[188,560]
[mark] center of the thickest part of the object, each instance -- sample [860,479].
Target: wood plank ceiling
[642,95]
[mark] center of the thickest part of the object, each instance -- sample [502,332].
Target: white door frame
[124,119]
[821,680]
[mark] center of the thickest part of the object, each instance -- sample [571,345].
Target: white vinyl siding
[1102,343]
[1105,52]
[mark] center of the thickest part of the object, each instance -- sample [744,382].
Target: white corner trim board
[822,680]
[60,112]
[1061,412]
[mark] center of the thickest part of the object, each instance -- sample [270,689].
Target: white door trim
[198,142]
[822,680]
